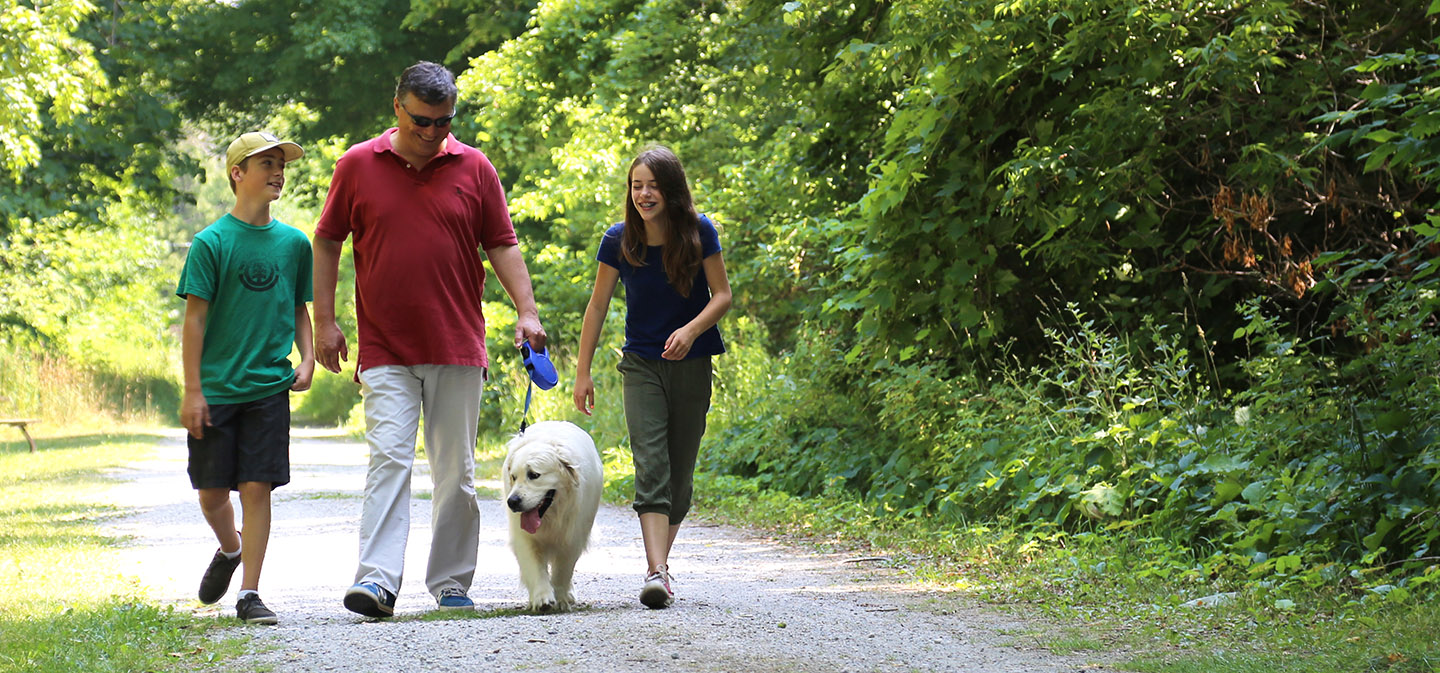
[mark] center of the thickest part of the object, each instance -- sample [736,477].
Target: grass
[1106,594]
[62,608]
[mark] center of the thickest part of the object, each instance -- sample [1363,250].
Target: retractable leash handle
[538,365]
[542,374]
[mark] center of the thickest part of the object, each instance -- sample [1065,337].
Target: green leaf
[1226,491]
[1255,492]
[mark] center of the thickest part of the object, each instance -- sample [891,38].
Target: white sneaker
[657,593]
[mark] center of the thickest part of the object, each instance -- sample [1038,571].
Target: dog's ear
[571,472]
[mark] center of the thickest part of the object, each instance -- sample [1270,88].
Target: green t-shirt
[253,278]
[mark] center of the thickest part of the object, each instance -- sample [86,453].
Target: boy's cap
[255,142]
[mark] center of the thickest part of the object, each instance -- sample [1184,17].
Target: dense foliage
[914,193]
[1142,268]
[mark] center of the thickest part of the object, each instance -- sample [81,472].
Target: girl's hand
[678,345]
[584,393]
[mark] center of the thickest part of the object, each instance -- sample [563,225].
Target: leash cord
[529,389]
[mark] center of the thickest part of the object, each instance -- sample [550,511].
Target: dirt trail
[743,603]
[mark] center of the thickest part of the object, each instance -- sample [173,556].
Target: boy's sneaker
[370,599]
[454,598]
[216,581]
[252,610]
[656,593]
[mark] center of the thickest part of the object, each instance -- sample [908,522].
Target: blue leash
[529,389]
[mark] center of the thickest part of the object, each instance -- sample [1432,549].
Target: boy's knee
[253,490]
[212,499]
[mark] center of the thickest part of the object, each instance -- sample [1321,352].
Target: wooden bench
[21,423]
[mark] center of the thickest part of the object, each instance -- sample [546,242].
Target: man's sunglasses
[427,122]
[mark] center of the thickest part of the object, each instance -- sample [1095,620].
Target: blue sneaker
[454,598]
[370,599]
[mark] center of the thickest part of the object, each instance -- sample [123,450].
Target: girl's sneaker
[657,593]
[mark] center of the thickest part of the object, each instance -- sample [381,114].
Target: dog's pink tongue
[530,521]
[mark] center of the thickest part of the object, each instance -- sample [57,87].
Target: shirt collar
[383,144]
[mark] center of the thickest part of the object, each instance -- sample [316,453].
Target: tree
[47,73]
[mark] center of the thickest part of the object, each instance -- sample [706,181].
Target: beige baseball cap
[255,142]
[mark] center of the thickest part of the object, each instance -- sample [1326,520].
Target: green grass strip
[63,607]
[1111,592]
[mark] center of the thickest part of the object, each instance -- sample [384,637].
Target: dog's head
[535,475]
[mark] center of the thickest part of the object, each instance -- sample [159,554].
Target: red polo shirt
[419,279]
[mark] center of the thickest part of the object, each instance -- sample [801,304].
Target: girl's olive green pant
[665,406]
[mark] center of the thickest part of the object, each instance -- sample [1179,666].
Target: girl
[676,290]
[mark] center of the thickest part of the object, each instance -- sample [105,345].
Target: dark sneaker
[454,598]
[216,581]
[370,599]
[252,610]
[656,593]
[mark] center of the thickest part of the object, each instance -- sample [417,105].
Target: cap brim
[291,150]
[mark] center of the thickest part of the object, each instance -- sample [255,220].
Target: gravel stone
[743,603]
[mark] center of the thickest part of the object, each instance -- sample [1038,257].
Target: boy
[246,282]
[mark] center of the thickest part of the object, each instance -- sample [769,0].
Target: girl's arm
[595,311]
[679,342]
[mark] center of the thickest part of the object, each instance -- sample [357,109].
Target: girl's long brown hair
[681,252]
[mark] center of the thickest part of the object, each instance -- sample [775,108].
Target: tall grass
[58,391]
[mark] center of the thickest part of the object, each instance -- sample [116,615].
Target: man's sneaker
[252,610]
[216,581]
[454,598]
[370,599]
[656,593]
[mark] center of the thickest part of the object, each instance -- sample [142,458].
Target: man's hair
[432,83]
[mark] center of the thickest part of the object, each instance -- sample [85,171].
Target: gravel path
[743,603]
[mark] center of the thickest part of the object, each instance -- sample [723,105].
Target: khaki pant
[665,407]
[395,396]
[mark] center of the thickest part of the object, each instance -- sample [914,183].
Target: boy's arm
[305,342]
[194,411]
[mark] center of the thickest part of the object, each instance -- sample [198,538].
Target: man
[421,206]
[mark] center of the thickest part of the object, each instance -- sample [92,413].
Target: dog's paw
[543,601]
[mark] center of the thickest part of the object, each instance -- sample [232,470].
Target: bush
[330,399]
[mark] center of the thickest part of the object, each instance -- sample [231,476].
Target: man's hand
[330,347]
[527,328]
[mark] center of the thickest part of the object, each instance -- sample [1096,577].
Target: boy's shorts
[249,441]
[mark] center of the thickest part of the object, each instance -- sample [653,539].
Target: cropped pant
[665,406]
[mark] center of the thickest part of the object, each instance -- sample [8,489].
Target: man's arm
[510,268]
[330,347]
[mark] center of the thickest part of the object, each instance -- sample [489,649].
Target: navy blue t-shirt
[653,309]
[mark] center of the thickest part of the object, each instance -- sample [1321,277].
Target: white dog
[553,476]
